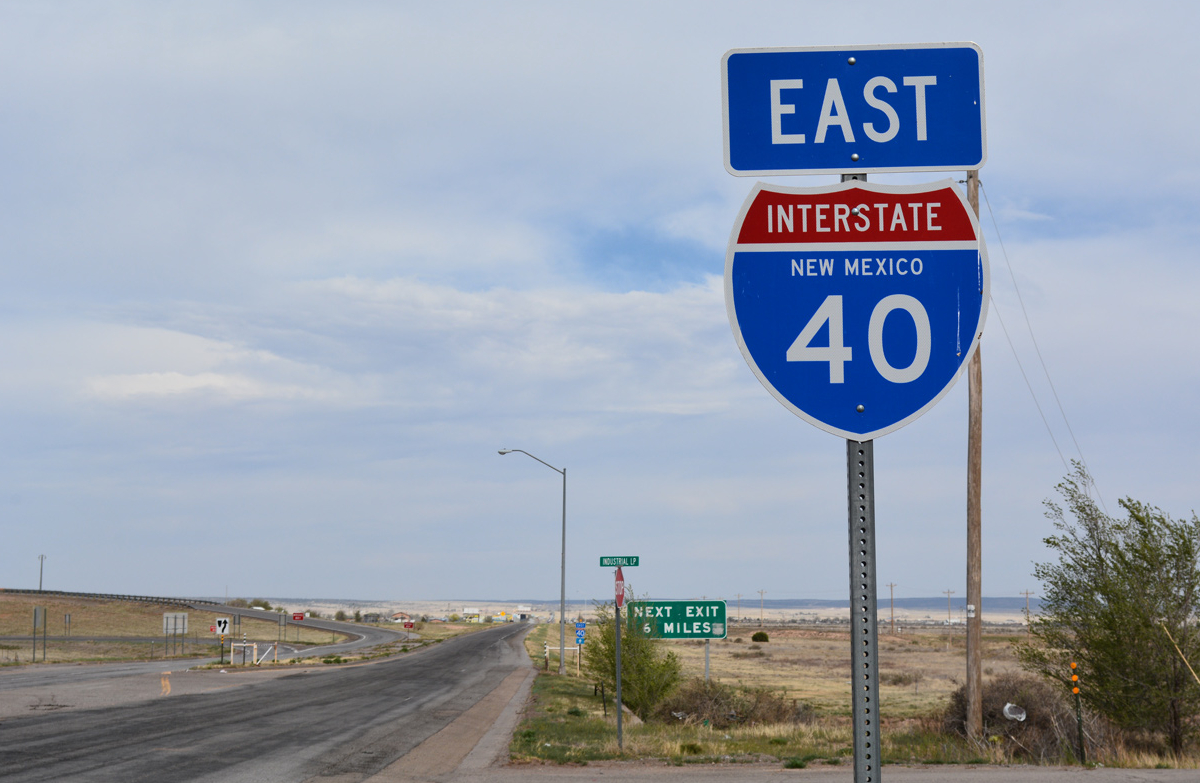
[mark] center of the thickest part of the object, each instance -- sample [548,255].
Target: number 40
[837,353]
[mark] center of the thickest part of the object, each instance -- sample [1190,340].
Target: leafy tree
[261,603]
[340,615]
[649,671]
[1119,586]
[357,616]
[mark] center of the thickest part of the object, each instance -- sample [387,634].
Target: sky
[278,280]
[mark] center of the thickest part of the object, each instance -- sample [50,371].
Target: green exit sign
[619,562]
[677,619]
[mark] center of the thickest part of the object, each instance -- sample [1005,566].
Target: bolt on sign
[678,619]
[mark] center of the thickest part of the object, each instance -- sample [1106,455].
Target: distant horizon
[914,602]
[910,602]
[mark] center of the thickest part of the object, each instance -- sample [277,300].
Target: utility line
[1038,350]
[1021,367]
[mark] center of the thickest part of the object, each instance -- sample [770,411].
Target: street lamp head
[505,451]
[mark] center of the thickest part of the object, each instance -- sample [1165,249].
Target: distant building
[402,617]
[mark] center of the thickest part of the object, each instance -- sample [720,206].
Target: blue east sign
[821,110]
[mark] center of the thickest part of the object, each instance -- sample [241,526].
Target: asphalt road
[339,724]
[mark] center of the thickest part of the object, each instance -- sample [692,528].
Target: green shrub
[649,670]
[760,636]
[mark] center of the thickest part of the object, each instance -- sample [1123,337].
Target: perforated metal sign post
[864,688]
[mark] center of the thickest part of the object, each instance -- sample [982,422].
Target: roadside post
[39,621]
[580,630]
[620,600]
[221,627]
[1078,713]
[618,562]
[856,305]
[174,624]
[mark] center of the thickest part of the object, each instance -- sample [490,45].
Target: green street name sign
[619,562]
[678,619]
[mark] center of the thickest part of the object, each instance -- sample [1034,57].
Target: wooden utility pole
[948,593]
[1026,593]
[892,589]
[760,607]
[739,613]
[974,520]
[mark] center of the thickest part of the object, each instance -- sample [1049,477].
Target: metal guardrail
[146,599]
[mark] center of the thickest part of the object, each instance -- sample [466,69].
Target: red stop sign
[620,588]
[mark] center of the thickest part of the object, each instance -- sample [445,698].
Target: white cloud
[173,384]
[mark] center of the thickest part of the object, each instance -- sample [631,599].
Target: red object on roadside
[620,588]
[297,616]
[410,625]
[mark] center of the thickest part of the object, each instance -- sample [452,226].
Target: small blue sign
[580,626]
[825,110]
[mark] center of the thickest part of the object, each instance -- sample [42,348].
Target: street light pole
[562,600]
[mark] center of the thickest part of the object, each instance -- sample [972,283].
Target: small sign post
[580,629]
[39,621]
[174,625]
[701,619]
[221,626]
[620,600]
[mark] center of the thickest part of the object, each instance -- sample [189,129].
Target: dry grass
[106,618]
[814,666]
